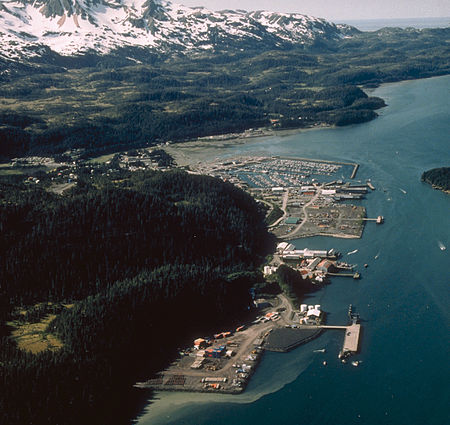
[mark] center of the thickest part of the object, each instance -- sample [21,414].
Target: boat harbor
[308,197]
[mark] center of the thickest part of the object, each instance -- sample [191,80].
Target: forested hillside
[438,177]
[112,103]
[121,272]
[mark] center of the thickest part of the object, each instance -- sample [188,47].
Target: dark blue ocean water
[403,297]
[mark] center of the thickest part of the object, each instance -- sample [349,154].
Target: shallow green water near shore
[403,297]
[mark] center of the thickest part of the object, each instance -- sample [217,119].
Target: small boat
[366,265]
[403,190]
[356,363]
[324,363]
[352,252]
[376,256]
[442,247]
[321,350]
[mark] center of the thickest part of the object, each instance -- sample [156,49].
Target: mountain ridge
[77,27]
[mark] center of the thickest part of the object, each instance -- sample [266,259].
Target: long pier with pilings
[378,220]
[351,340]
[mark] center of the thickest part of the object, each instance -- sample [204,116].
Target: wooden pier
[378,220]
[351,339]
[355,275]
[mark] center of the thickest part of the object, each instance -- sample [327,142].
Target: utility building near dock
[308,254]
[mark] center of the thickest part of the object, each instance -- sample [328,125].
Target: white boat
[403,190]
[376,256]
[442,247]
[352,252]
[356,363]
[322,350]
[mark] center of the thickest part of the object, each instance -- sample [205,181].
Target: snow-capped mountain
[73,27]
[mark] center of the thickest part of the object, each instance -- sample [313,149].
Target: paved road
[283,208]
[305,215]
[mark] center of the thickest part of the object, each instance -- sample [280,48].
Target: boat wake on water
[442,247]
[352,252]
[376,256]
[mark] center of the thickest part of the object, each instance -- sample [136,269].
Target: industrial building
[310,314]
[308,254]
[326,266]
[284,246]
[292,220]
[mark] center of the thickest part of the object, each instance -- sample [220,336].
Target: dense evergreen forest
[121,272]
[438,178]
[110,103]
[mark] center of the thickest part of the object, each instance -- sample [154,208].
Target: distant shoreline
[367,25]
[181,149]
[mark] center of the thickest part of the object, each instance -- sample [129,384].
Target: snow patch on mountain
[73,27]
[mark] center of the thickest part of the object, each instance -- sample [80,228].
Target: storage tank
[317,307]
[303,308]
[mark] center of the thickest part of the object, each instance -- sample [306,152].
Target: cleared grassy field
[34,336]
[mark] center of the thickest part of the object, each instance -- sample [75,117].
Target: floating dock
[355,170]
